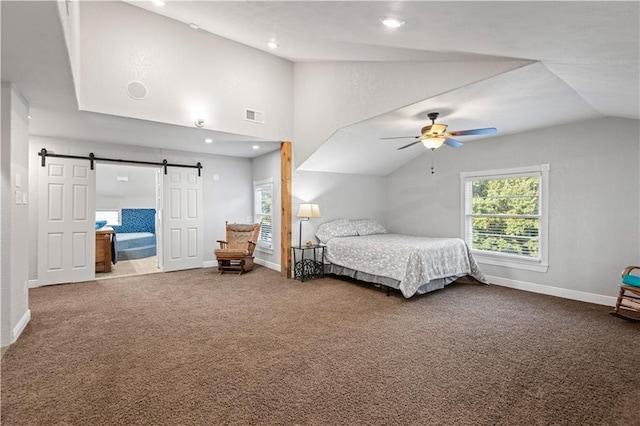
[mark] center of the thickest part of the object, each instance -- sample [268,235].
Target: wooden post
[285,216]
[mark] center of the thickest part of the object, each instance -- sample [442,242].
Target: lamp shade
[308,210]
[433,143]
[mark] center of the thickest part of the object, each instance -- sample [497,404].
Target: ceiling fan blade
[407,146]
[453,143]
[401,137]
[486,131]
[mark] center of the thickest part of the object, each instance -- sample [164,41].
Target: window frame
[258,214]
[540,264]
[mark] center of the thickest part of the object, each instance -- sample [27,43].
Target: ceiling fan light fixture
[433,143]
[392,22]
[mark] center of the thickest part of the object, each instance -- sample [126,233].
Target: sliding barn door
[182,219]
[66,218]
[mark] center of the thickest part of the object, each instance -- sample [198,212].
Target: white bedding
[413,261]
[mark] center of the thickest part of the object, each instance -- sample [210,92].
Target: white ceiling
[588,54]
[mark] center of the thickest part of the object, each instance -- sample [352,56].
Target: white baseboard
[33,284]
[19,328]
[554,291]
[267,264]
[270,265]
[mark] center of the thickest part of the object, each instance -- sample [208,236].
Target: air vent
[253,115]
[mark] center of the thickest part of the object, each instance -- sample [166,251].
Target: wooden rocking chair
[629,296]
[236,252]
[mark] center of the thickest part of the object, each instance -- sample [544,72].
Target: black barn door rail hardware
[92,158]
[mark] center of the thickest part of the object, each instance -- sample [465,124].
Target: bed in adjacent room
[362,249]
[135,238]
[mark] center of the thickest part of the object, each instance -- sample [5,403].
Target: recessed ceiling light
[256,147]
[194,26]
[208,140]
[272,44]
[159,3]
[392,22]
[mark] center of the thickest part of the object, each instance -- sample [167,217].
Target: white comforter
[413,261]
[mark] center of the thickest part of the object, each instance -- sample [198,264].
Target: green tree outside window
[505,215]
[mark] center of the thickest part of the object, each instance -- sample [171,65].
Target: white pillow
[368,227]
[335,228]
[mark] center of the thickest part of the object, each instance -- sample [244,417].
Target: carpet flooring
[197,348]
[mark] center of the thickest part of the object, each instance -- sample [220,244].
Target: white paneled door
[182,219]
[66,230]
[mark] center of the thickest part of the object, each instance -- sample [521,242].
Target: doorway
[67,238]
[127,197]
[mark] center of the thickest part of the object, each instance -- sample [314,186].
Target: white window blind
[263,202]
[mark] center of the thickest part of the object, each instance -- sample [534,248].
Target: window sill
[534,265]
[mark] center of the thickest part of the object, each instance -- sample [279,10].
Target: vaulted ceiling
[560,62]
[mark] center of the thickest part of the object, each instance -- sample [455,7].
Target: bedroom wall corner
[14,213]
[593,199]
[338,196]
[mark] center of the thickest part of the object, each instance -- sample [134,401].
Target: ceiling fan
[434,135]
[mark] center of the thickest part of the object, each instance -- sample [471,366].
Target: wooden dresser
[103,249]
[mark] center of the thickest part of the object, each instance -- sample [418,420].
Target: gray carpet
[194,347]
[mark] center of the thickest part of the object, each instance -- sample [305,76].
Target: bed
[413,265]
[135,238]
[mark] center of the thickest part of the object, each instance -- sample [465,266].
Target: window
[505,216]
[111,216]
[262,202]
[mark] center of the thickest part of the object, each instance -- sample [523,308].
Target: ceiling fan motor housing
[433,130]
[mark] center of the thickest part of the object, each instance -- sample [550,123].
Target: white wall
[268,167]
[189,74]
[138,192]
[69,13]
[14,214]
[594,195]
[227,198]
[338,196]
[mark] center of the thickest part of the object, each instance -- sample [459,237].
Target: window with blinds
[263,201]
[505,214]
[111,216]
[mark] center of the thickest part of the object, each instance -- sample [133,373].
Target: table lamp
[306,211]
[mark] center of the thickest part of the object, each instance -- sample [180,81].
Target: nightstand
[308,262]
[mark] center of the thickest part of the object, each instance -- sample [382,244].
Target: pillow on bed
[368,227]
[335,228]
